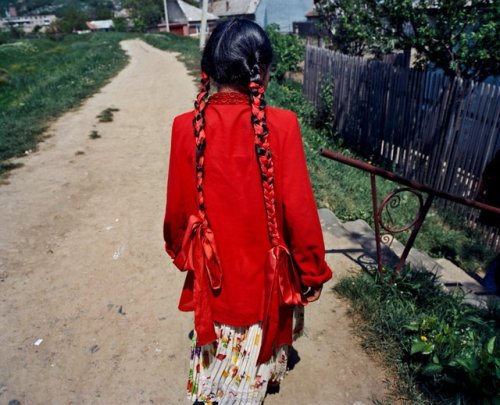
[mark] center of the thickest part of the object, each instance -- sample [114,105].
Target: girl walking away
[242,221]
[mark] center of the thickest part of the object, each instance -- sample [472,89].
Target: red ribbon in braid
[282,284]
[198,251]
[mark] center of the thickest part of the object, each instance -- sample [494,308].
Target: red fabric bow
[199,254]
[282,287]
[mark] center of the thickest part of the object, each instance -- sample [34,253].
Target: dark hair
[238,53]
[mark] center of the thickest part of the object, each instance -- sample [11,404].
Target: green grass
[94,134]
[444,351]
[107,114]
[188,49]
[346,190]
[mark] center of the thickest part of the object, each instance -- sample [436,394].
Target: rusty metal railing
[393,199]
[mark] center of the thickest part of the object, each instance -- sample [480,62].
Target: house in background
[310,29]
[185,19]
[27,23]
[234,8]
[264,12]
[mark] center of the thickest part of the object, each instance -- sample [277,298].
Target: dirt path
[82,264]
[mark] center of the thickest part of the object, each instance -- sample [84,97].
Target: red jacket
[235,205]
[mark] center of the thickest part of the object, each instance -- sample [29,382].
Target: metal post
[373,182]
[421,217]
[203,28]
[167,27]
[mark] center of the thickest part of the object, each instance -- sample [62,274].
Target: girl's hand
[313,294]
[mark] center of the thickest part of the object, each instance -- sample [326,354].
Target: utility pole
[203,29]
[167,27]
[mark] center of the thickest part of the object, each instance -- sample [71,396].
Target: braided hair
[238,53]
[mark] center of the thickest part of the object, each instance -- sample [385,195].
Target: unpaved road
[82,264]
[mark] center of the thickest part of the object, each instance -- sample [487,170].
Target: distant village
[185,19]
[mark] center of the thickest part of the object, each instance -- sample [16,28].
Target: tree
[351,26]
[288,52]
[72,18]
[120,24]
[458,36]
[146,13]
[100,9]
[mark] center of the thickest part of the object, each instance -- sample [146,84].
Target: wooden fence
[439,131]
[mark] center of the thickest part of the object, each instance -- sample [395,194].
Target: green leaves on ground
[436,340]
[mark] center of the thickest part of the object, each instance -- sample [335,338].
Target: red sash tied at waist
[198,253]
[282,287]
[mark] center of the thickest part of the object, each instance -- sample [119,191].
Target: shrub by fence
[433,129]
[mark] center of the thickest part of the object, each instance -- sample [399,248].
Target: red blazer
[235,204]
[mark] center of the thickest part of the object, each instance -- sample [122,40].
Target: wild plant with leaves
[445,346]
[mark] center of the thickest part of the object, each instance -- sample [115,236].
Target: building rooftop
[224,8]
[194,13]
[100,24]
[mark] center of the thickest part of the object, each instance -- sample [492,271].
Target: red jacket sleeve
[179,197]
[302,228]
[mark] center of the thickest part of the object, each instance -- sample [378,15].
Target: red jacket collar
[229,97]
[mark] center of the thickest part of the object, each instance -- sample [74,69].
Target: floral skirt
[226,370]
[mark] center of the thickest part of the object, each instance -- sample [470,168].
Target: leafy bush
[120,24]
[447,347]
[289,95]
[288,52]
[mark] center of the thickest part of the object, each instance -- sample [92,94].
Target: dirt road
[87,296]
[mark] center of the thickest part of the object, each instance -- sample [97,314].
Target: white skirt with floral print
[226,370]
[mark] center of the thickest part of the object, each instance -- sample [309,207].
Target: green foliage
[145,13]
[94,134]
[351,25]
[288,52]
[120,24]
[448,348]
[289,95]
[72,18]
[458,36]
[34,70]
[324,114]
[107,114]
